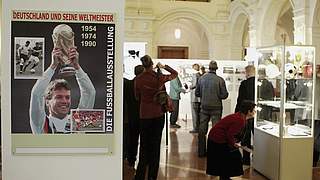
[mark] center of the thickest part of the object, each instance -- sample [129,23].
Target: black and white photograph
[28,61]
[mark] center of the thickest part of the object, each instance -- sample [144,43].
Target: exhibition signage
[62,82]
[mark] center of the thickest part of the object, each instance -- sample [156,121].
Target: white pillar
[302,26]
[254,19]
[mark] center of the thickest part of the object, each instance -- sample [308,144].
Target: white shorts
[34,59]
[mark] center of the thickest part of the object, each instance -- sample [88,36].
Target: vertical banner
[62,81]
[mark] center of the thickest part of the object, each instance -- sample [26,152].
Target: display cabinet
[283,139]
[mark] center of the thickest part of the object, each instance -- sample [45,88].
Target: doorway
[172,52]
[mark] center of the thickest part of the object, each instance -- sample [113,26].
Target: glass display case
[283,135]
[285,86]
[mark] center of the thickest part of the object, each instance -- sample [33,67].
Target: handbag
[162,97]
[164,100]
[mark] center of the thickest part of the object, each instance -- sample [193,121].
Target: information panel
[62,82]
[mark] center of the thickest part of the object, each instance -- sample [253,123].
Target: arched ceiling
[185,24]
[285,24]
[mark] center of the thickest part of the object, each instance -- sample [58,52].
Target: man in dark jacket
[211,89]
[246,92]
[131,119]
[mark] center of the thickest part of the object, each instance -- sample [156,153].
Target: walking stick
[166,117]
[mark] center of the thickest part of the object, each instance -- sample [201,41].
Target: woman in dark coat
[151,123]
[223,155]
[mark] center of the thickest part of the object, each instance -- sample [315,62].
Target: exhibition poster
[62,75]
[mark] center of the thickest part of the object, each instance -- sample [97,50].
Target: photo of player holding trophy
[55,96]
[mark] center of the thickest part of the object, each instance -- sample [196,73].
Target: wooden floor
[179,160]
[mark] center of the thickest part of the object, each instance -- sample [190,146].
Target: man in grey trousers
[212,90]
[195,101]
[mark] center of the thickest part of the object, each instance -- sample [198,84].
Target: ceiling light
[177,33]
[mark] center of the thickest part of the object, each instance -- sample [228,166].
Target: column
[302,26]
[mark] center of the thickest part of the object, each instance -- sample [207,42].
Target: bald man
[246,92]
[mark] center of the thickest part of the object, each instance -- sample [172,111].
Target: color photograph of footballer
[91,120]
[28,57]
[50,99]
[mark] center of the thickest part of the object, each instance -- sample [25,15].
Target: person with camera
[146,86]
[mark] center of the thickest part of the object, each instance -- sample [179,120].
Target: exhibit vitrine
[283,138]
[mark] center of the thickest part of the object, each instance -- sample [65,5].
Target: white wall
[204,26]
[60,167]
[192,36]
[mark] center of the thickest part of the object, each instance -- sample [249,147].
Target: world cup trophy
[63,39]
